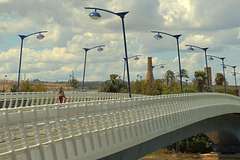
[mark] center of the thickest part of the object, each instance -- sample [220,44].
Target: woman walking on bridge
[61,96]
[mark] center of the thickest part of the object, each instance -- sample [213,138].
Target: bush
[115,85]
[195,144]
[26,86]
[74,83]
[39,88]
[14,88]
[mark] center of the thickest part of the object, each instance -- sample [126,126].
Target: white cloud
[4,1]
[13,25]
[204,23]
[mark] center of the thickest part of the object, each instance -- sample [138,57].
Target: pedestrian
[61,95]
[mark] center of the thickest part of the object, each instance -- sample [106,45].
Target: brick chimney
[149,76]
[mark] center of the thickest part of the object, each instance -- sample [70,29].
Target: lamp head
[100,49]
[136,58]
[95,15]
[158,36]
[211,58]
[40,36]
[223,58]
[190,48]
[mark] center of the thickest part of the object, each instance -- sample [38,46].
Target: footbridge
[115,128]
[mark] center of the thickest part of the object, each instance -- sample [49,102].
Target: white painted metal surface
[94,129]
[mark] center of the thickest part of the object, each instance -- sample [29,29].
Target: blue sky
[206,23]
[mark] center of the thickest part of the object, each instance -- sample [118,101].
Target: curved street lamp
[159,66]
[135,57]
[40,36]
[192,48]
[99,49]
[212,57]
[234,74]
[158,36]
[96,15]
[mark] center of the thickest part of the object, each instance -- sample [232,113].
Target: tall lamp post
[4,83]
[234,74]
[223,69]
[99,49]
[158,36]
[192,48]
[135,57]
[22,37]
[97,15]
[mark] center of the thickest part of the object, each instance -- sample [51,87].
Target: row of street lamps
[192,48]
[96,15]
[211,57]
[158,35]
[222,59]
[135,57]
[234,74]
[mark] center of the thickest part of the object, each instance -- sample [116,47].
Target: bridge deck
[94,129]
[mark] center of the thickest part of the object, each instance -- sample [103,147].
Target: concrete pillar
[209,71]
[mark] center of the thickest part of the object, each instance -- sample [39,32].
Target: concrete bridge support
[225,129]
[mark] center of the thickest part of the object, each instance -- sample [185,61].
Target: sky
[206,23]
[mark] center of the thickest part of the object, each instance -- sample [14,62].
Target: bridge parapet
[95,129]
[21,99]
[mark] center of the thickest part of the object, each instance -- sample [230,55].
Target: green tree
[196,144]
[114,77]
[137,86]
[74,83]
[170,77]
[219,79]
[185,73]
[115,84]
[200,78]
[14,88]
[26,86]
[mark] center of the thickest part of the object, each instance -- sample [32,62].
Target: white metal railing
[94,129]
[20,99]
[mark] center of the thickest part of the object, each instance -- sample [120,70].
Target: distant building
[149,76]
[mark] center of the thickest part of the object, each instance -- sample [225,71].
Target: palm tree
[115,84]
[170,77]
[185,73]
[200,77]
[219,79]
